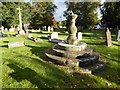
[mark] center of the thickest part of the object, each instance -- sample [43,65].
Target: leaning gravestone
[54,35]
[79,36]
[108,38]
[118,37]
[16,44]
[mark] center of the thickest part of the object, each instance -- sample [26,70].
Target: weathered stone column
[72,30]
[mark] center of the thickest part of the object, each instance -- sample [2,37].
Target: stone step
[65,61]
[56,59]
[96,67]
[89,69]
[62,60]
[88,61]
[62,52]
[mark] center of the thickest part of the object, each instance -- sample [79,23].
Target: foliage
[111,14]
[10,13]
[86,11]
[42,13]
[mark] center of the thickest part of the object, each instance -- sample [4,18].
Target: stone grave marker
[21,31]
[118,37]
[48,28]
[6,29]
[2,28]
[16,44]
[54,35]
[108,38]
[51,29]
[79,36]
[12,29]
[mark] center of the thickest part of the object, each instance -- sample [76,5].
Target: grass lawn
[22,67]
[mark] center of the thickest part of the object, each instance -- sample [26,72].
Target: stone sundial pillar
[72,30]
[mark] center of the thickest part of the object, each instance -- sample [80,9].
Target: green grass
[23,67]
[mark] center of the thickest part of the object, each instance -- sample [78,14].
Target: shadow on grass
[6,41]
[110,74]
[115,44]
[30,75]
[26,74]
[36,50]
[5,46]
[96,43]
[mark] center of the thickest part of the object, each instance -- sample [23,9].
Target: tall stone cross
[21,31]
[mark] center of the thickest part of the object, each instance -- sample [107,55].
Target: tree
[41,14]
[111,15]
[10,13]
[86,11]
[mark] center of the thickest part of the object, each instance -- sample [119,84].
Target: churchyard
[25,66]
[38,51]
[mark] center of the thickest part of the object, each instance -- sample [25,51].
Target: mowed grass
[23,67]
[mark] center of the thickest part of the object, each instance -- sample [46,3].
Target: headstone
[12,29]
[54,35]
[6,29]
[2,28]
[60,26]
[48,28]
[30,35]
[33,39]
[51,29]
[108,38]
[2,34]
[118,37]
[79,36]
[16,44]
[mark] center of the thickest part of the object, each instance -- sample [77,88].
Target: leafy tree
[41,14]
[86,11]
[10,13]
[111,15]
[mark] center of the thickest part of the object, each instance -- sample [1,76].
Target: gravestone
[30,36]
[2,28]
[12,29]
[51,29]
[54,35]
[48,28]
[16,44]
[6,29]
[2,34]
[108,38]
[79,36]
[118,37]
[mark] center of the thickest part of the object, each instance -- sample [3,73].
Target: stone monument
[72,30]
[79,36]
[74,53]
[118,37]
[108,38]
[21,31]
[2,34]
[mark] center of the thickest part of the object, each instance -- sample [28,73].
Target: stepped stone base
[75,56]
